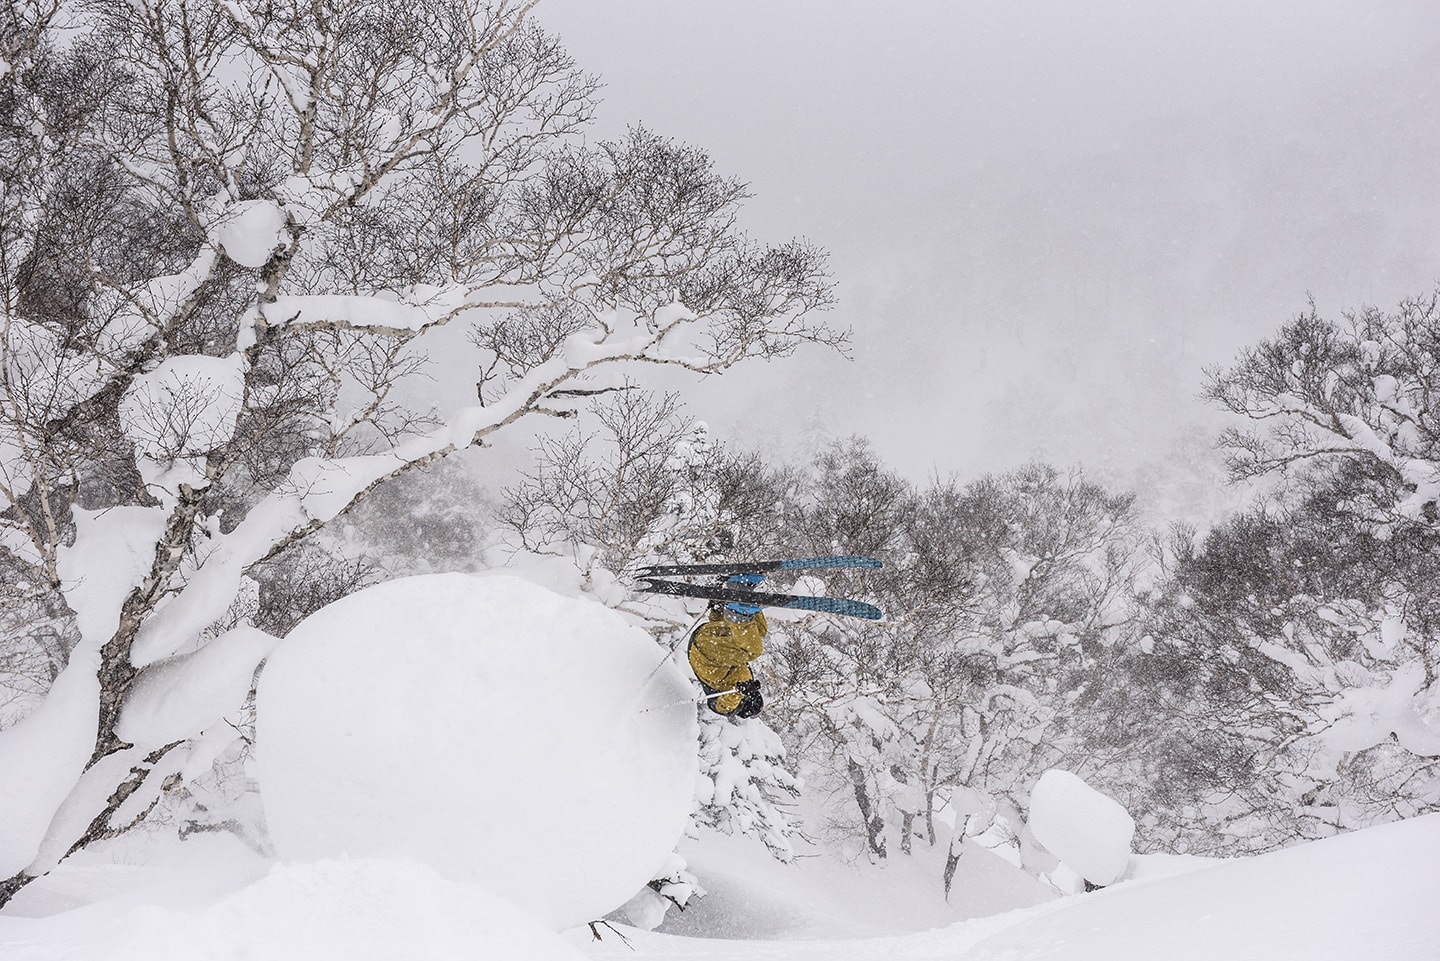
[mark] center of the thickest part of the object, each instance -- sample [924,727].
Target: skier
[720,652]
[733,633]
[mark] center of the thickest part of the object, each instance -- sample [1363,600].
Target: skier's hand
[751,703]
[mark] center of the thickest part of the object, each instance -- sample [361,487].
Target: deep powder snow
[491,729]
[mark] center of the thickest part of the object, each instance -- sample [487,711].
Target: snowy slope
[752,897]
[1373,894]
[1367,895]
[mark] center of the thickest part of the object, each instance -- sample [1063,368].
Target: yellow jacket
[721,652]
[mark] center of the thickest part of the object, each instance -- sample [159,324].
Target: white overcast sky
[1044,217]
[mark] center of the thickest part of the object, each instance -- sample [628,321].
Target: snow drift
[1088,831]
[536,745]
[352,910]
[1365,895]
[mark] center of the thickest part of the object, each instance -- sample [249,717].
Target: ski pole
[688,700]
[674,645]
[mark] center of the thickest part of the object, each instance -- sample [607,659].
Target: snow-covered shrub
[673,887]
[744,787]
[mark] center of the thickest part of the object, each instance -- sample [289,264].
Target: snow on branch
[222,254]
[1362,390]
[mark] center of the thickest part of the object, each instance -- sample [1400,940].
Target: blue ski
[795,602]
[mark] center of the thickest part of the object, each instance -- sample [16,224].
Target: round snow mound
[1088,831]
[504,735]
[250,231]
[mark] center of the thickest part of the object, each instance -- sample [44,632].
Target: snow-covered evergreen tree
[744,786]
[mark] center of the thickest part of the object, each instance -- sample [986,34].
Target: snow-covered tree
[226,230]
[1285,693]
[1353,416]
[1358,394]
[1004,598]
[651,484]
[744,786]
[1292,654]
[605,493]
[639,480]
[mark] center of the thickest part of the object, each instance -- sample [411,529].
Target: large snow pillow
[487,727]
[1087,830]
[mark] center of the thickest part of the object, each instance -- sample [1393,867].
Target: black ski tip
[832,561]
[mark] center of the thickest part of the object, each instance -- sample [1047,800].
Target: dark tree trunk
[874,823]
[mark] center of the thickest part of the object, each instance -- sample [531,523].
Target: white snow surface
[358,910]
[536,745]
[749,896]
[1088,831]
[249,231]
[42,756]
[1368,894]
[178,698]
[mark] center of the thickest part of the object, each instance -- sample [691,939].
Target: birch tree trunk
[228,228]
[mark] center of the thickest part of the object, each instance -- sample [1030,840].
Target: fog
[1045,218]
